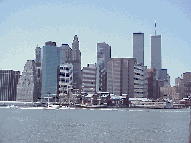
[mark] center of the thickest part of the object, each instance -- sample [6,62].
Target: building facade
[30,82]
[65,78]
[120,76]
[50,69]
[103,56]
[138,47]
[164,78]
[27,88]
[152,82]
[115,76]
[38,71]
[140,81]
[186,77]
[89,75]
[167,90]
[8,85]
[65,54]
[183,85]
[179,84]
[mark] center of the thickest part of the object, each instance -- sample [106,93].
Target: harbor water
[94,125]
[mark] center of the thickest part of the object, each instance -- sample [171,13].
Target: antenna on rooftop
[76,31]
[155,26]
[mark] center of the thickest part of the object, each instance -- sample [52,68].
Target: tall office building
[65,78]
[183,85]
[65,54]
[140,81]
[38,56]
[8,84]
[38,71]
[103,56]
[27,88]
[117,76]
[187,77]
[153,86]
[89,74]
[138,47]
[50,69]
[179,84]
[76,62]
[164,78]
[120,76]
[30,82]
[156,52]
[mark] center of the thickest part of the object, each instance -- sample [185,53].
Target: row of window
[65,68]
[65,80]
[65,74]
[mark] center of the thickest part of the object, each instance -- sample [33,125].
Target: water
[84,125]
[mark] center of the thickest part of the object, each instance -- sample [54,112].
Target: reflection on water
[106,125]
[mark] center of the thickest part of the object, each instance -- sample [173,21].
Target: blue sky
[24,24]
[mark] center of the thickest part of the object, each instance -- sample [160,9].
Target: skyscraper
[153,89]
[28,87]
[138,47]
[76,62]
[156,52]
[8,84]
[30,82]
[65,77]
[120,76]
[89,78]
[50,69]
[117,76]
[103,56]
[38,71]
[65,54]
[140,81]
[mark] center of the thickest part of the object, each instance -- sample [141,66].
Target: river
[85,125]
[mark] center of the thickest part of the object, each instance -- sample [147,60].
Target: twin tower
[138,50]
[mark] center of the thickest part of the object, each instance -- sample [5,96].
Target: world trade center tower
[156,51]
[138,47]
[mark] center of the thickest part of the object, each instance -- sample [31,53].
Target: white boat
[5,106]
[64,107]
[51,106]
[32,108]
[93,106]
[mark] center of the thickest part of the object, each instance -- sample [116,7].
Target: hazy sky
[24,24]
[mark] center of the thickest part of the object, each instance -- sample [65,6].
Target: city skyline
[24,25]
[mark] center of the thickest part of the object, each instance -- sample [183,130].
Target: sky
[26,24]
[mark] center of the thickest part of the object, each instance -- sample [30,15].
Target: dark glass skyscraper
[103,56]
[50,69]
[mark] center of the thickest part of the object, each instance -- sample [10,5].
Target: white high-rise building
[140,81]
[138,47]
[65,78]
